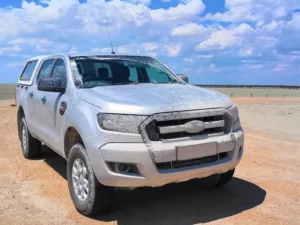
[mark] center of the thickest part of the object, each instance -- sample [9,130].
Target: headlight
[120,122]
[235,115]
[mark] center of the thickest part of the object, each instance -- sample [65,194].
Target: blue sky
[212,41]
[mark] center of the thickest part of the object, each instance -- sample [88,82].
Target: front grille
[192,162]
[175,128]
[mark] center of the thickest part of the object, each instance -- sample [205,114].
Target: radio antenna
[112,48]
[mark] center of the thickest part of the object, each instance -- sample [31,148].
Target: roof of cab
[41,57]
[104,55]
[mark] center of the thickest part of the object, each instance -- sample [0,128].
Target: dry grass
[7,91]
[259,92]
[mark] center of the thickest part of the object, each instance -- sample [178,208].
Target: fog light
[123,168]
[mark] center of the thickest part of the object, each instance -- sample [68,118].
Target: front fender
[82,117]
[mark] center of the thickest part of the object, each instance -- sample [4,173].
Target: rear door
[25,94]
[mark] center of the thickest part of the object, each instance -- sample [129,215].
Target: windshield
[89,72]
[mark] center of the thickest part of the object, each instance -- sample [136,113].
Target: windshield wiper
[133,83]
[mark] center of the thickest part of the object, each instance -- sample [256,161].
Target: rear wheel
[218,180]
[88,195]
[31,147]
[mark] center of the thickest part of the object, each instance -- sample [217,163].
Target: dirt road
[265,190]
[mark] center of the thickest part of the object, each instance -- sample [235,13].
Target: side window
[97,66]
[105,65]
[133,74]
[45,71]
[156,76]
[28,71]
[60,69]
[102,65]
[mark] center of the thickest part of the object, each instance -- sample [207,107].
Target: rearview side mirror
[53,84]
[183,77]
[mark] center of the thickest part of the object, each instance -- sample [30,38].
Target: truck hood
[147,99]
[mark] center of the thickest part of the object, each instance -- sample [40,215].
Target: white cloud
[56,10]
[149,46]
[145,2]
[173,49]
[15,64]
[234,15]
[188,29]
[27,56]
[279,69]
[189,60]
[255,10]
[45,2]
[205,56]
[225,38]
[15,48]
[96,50]
[199,71]
[73,50]
[258,30]
[125,50]
[246,52]
[185,70]
[255,66]
[30,41]
[295,52]
[191,9]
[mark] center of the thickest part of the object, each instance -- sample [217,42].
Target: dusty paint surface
[147,99]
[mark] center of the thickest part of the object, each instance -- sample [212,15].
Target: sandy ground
[265,190]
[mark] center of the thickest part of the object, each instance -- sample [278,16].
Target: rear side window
[45,71]
[28,71]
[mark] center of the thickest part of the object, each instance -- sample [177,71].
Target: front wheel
[88,195]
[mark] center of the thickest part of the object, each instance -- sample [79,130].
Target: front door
[40,100]
[52,117]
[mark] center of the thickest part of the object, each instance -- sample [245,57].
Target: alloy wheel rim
[80,179]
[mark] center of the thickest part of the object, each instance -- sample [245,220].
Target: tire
[218,180]
[95,196]
[31,147]
[225,178]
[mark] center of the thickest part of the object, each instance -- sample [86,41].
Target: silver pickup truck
[125,121]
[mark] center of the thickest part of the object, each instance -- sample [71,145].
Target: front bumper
[138,154]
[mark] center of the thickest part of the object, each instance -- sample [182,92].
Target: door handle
[63,107]
[31,94]
[44,99]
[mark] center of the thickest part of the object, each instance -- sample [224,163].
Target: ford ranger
[125,121]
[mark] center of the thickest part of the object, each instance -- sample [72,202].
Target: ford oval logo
[194,126]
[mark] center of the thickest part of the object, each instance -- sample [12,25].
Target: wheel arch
[20,114]
[72,136]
